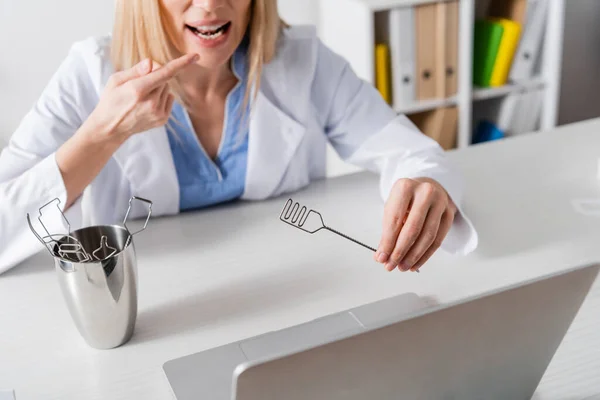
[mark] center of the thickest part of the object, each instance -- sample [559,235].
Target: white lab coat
[308,96]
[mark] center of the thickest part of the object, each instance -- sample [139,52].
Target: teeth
[210,35]
[209,31]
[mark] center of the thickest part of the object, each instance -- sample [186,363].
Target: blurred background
[35,36]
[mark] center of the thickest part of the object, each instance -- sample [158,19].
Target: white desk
[224,274]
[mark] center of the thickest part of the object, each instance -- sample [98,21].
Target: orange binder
[441,49]
[440,124]
[451,54]
[510,9]
[426,38]
[449,134]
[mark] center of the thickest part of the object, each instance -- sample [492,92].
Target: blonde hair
[140,32]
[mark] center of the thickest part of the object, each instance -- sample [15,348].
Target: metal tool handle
[129,209]
[38,236]
[66,249]
[349,238]
[127,216]
[57,201]
[296,216]
[62,249]
[104,245]
[51,238]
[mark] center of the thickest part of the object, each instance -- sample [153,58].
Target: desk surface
[215,276]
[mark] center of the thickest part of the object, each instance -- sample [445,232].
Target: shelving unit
[349,27]
[426,105]
[521,87]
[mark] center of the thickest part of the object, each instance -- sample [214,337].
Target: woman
[192,103]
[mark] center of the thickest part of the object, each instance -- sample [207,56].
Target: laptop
[493,346]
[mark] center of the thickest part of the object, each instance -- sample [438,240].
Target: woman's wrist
[82,157]
[100,136]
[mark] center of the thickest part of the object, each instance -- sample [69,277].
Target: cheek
[242,10]
[173,12]
[174,6]
[173,21]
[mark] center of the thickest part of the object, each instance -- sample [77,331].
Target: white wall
[35,36]
[299,11]
[306,12]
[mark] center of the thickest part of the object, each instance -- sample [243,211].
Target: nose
[207,5]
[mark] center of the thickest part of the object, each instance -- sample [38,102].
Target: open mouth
[210,32]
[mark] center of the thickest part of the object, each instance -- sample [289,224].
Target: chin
[211,60]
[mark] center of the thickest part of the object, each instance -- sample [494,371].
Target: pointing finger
[425,239]
[138,70]
[411,230]
[163,74]
[445,225]
[156,65]
[393,220]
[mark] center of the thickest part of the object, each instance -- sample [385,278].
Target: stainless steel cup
[97,272]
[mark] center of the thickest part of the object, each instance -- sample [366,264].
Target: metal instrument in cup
[97,272]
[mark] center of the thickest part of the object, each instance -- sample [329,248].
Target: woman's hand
[136,100]
[417,217]
[133,101]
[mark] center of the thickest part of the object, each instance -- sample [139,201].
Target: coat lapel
[146,161]
[274,137]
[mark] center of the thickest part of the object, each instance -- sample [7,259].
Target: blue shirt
[202,180]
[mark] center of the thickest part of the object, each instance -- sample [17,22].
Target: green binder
[486,42]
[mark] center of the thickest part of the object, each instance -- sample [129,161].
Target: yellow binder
[506,51]
[382,71]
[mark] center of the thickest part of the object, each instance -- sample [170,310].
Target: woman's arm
[29,174]
[366,132]
[133,101]
[68,137]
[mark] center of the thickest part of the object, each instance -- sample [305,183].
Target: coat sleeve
[365,131]
[29,174]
